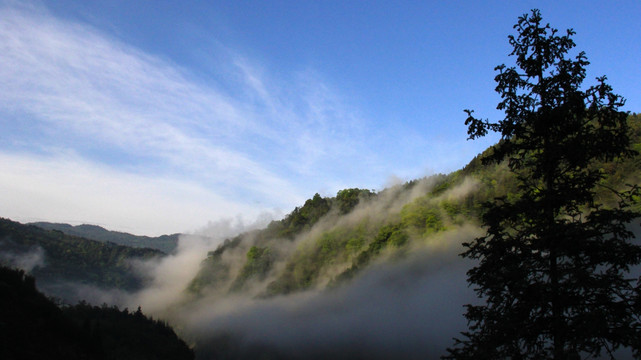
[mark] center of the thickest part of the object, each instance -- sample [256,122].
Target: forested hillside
[54,257]
[338,245]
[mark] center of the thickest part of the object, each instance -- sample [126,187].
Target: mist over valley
[296,180]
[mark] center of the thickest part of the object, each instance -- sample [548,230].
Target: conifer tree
[554,268]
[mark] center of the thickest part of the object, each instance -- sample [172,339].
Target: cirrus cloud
[80,105]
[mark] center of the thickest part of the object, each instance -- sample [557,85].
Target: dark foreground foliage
[33,327]
[120,334]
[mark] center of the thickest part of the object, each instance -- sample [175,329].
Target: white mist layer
[170,275]
[406,304]
[408,308]
[25,261]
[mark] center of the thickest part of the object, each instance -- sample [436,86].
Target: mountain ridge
[164,243]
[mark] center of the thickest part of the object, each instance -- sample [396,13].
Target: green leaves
[259,263]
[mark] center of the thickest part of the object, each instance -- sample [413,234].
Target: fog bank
[406,308]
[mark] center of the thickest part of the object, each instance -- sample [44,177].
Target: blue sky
[160,116]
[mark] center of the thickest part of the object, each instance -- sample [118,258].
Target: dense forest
[33,327]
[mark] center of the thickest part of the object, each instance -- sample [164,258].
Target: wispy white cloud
[125,114]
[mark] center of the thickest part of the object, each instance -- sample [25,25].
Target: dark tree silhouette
[554,265]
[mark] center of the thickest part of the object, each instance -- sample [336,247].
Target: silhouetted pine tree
[554,265]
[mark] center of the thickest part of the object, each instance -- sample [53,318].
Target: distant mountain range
[65,264]
[164,243]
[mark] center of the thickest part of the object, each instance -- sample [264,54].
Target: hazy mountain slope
[164,243]
[325,242]
[342,241]
[56,258]
[380,279]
